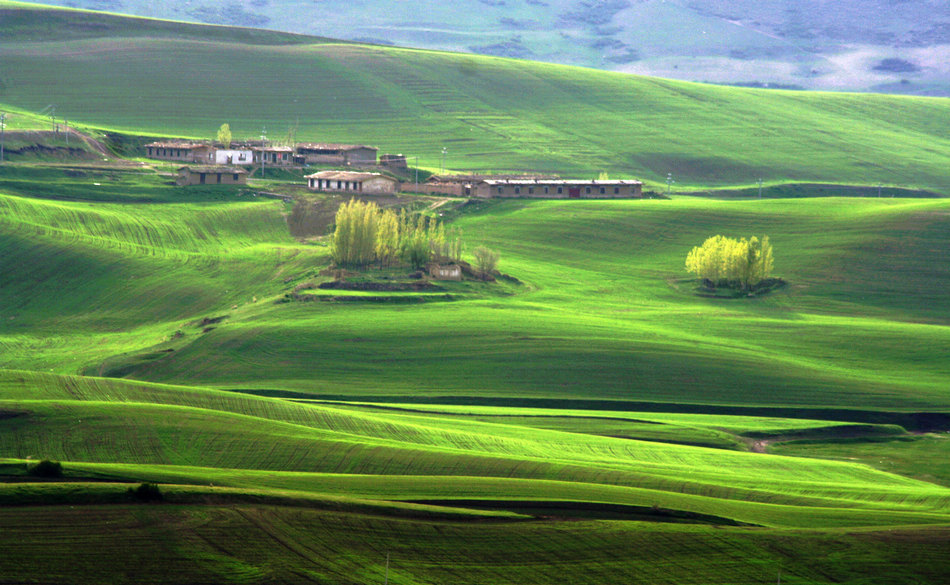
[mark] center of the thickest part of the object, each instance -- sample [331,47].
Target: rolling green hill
[588,419]
[490,113]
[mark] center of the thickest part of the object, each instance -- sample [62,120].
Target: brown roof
[591,182]
[274,148]
[182,145]
[347,176]
[477,178]
[212,169]
[332,146]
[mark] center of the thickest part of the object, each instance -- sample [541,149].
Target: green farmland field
[588,418]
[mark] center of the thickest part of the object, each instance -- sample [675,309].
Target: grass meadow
[590,419]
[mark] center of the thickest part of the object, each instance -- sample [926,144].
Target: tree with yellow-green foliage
[354,240]
[224,135]
[733,263]
[364,234]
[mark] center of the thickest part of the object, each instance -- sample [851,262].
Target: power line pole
[417,172]
[3,125]
[669,183]
[263,153]
[879,185]
[387,569]
[442,169]
[760,188]
[66,126]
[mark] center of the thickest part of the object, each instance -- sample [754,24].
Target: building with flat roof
[558,188]
[211,175]
[539,186]
[352,182]
[279,156]
[336,154]
[180,151]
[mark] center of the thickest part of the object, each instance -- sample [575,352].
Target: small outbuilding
[444,271]
[394,161]
[352,182]
[211,175]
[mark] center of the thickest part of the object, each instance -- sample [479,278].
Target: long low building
[181,151]
[352,182]
[532,187]
[211,175]
[336,154]
[558,188]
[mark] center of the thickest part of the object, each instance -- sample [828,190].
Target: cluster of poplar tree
[366,234]
[732,263]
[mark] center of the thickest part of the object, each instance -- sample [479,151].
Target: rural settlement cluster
[212,165]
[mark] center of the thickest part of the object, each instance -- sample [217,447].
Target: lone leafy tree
[224,135]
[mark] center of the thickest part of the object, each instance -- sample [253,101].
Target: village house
[352,182]
[336,154]
[233,157]
[211,175]
[195,152]
[273,155]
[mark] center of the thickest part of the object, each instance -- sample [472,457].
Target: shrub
[486,260]
[46,468]
[146,492]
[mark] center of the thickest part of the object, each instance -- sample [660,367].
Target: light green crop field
[589,419]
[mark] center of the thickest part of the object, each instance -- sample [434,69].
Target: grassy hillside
[490,113]
[590,418]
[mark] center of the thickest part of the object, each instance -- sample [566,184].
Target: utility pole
[66,125]
[416,158]
[879,185]
[669,183]
[387,569]
[442,169]
[52,118]
[760,188]
[263,153]
[3,125]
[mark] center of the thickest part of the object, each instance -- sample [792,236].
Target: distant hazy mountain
[896,46]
